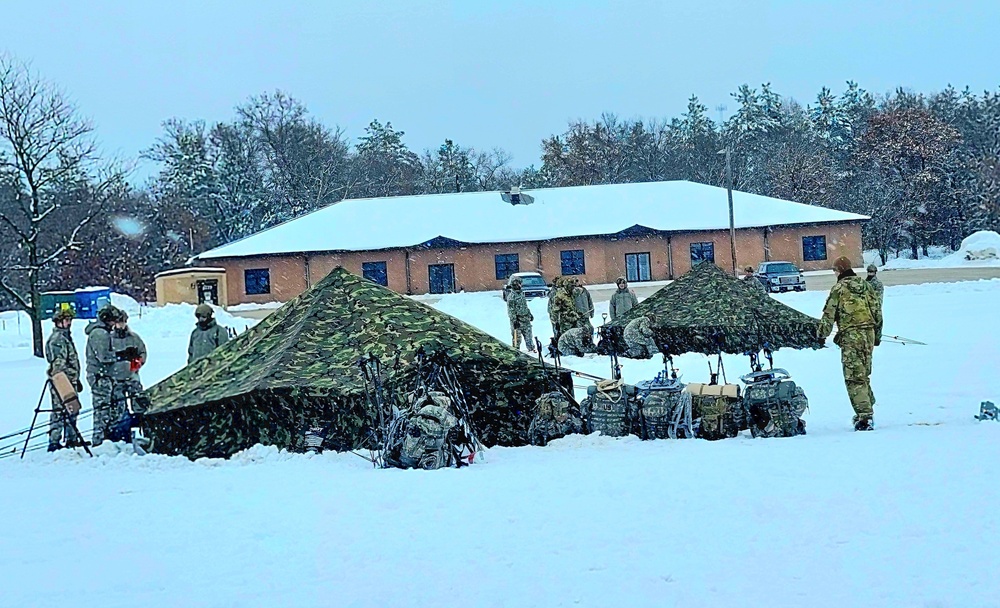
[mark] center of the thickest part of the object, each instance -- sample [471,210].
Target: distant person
[60,352]
[114,356]
[622,300]
[565,314]
[553,289]
[752,281]
[639,338]
[519,315]
[854,306]
[207,335]
[875,282]
[584,303]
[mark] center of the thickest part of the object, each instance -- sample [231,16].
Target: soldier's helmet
[64,314]
[842,264]
[203,311]
[872,268]
[108,315]
[748,269]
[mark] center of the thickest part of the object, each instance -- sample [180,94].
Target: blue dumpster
[90,300]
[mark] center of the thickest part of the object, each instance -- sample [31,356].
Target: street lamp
[729,191]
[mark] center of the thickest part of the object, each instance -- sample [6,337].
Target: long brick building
[473,241]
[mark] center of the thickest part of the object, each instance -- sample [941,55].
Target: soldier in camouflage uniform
[875,282]
[565,315]
[751,280]
[519,315]
[60,352]
[622,300]
[584,302]
[638,336]
[553,290]
[207,336]
[114,356]
[577,341]
[854,306]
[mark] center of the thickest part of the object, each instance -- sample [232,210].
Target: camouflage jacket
[584,303]
[60,352]
[103,346]
[754,283]
[204,340]
[622,301]
[639,338]
[852,304]
[877,286]
[123,369]
[564,311]
[517,306]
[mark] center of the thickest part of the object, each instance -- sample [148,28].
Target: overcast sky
[479,72]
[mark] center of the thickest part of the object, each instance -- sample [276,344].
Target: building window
[637,267]
[813,248]
[441,278]
[702,252]
[507,264]
[257,281]
[572,262]
[375,272]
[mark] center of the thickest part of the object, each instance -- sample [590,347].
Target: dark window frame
[375,270]
[503,266]
[649,266]
[257,278]
[570,265]
[811,245]
[698,252]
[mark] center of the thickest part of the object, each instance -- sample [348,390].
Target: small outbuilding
[192,286]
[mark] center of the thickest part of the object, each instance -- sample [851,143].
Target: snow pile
[254,306]
[982,245]
[15,329]
[981,249]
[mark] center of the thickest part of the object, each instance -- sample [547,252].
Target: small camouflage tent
[298,369]
[708,311]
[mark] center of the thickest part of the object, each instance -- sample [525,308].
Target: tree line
[925,167]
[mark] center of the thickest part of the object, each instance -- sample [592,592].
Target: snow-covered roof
[484,217]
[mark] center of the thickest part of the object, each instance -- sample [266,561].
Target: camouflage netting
[708,311]
[299,368]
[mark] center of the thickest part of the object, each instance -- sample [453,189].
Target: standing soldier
[565,314]
[752,281]
[553,290]
[854,306]
[875,282]
[60,352]
[114,356]
[207,334]
[622,300]
[519,315]
[584,303]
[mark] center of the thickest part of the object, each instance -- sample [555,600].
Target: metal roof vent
[515,197]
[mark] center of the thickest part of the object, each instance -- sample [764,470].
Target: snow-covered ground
[899,517]
[977,250]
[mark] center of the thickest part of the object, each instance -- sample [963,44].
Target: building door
[208,291]
[637,267]
[442,278]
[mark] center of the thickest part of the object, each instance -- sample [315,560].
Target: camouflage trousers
[109,400]
[856,346]
[521,328]
[61,423]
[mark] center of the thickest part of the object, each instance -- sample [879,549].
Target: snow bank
[977,250]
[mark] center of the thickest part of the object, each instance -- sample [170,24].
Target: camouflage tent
[298,369]
[708,311]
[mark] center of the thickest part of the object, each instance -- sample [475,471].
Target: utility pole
[732,223]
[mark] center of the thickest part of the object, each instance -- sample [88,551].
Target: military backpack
[609,408]
[555,417]
[664,410]
[774,404]
[718,409]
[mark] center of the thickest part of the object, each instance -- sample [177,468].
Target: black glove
[128,354]
[878,340]
[78,386]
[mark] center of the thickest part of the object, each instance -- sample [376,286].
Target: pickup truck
[780,276]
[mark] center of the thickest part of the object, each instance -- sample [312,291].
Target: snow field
[898,517]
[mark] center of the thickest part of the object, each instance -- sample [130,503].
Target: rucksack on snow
[718,409]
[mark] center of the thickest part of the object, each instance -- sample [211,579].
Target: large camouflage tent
[298,368]
[708,311]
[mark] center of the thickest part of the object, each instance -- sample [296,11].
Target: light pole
[729,192]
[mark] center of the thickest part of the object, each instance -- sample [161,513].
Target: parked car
[780,277]
[532,284]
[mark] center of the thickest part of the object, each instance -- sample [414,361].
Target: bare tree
[58,188]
